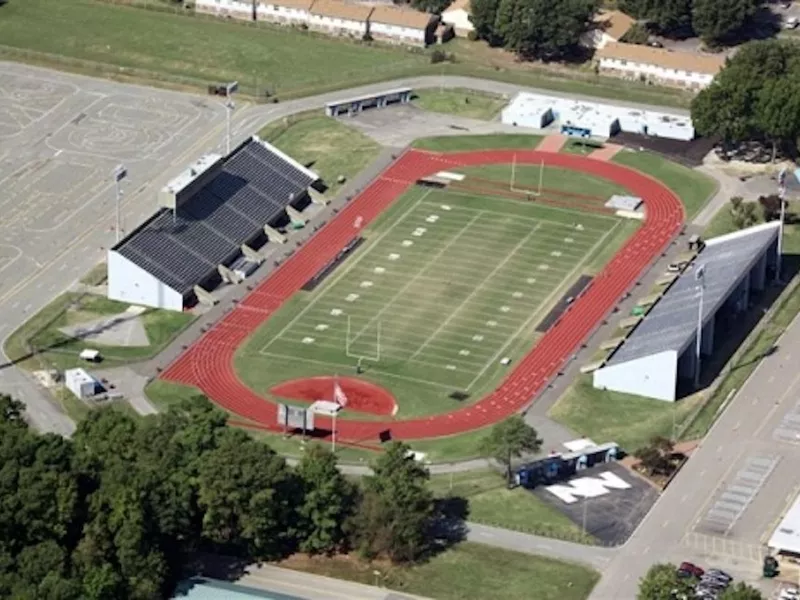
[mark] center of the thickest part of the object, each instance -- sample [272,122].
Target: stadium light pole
[120,173]
[230,88]
[782,197]
[700,278]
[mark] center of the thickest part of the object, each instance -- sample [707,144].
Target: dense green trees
[755,97]
[661,582]
[716,21]
[115,512]
[543,29]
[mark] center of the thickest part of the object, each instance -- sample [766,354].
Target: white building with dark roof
[660,350]
[210,215]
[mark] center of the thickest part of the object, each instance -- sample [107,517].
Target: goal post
[513,182]
[360,356]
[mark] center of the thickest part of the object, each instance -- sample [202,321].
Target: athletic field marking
[413,279]
[477,289]
[571,211]
[334,364]
[342,274]
[568,280]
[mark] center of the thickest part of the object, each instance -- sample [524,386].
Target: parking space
[733,499]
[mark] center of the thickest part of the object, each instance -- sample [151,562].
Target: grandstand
[218,210]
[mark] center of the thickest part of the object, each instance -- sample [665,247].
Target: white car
[790,594]
[790,23]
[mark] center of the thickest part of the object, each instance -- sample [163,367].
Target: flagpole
[333,439]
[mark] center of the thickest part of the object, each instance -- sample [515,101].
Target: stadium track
[209,363]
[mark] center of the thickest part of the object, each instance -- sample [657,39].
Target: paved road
[304,586]
[753,426]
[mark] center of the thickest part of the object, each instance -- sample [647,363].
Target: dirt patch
[362,396]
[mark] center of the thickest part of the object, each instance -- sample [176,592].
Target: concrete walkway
[552,143]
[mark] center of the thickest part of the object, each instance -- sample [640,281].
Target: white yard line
[411,281]
[337,277]
[567,281]
[336,364]
[476,290]
[540,205]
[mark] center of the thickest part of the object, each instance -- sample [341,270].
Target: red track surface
[208,364]
[362,396]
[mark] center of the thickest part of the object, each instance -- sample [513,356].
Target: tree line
[755,97]
[118,511]
[715,21]
[663,582]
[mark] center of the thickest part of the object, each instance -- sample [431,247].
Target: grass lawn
[59,351]
[692,187]
[464,143]
[467,571]
[614,417]
[325,145]
[198,50]
[490,502]
[461,102]
[444,281]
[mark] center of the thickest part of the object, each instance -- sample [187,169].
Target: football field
[445,285]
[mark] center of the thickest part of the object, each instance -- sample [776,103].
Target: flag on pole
[339,396]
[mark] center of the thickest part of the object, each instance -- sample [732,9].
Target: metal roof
[672,323]
[254,186]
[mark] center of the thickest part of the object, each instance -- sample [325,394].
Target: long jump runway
[208,364]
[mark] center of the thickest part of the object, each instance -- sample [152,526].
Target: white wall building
[80,383]
[609,26]
[457,15]
[681,69]
[785,540]
[289,12]
[128,282]
[538,111]
[392,24]
[237,9]
[661,348]
[339,18]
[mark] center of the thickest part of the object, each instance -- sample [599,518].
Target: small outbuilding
[80,383]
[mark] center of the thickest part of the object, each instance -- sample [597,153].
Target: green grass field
[461,102]
[467,571]
[449,283]
[60,351]
[489,501]
[463,143]
[328,146]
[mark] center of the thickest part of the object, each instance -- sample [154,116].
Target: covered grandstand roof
[253,186]
[672,323]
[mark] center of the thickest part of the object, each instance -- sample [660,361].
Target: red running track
[208,364]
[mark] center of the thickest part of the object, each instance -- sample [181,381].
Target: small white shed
[80,383]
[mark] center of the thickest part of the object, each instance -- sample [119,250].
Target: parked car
[687,569]
[790,23]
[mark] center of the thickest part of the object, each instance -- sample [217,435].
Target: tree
[245,491]
[743,213]
[511,439]
[754,97]
[770,207]
[661,582]
[328,502]
[741,591]
[670,17]
[483,16]
[396,507]
[655,457]
[12,411]
[545,29]
[716,21]
[431,6]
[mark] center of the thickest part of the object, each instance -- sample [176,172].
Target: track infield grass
[444,286]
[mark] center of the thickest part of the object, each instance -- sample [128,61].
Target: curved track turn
[208,364]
